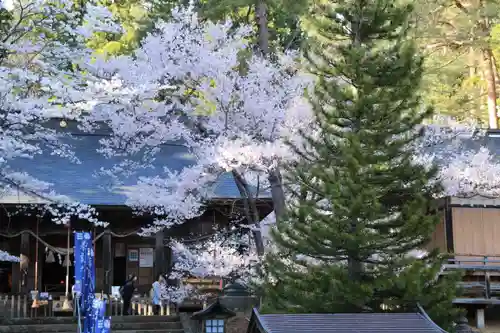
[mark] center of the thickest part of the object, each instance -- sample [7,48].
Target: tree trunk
[472,62]
[262,24]
[250,209]
[263,29]
[489,75]
[476,111]
[277,192]
[495,70]
[354,265]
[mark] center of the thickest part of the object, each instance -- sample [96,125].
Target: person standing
[156,294]
[74,300]
[127,291]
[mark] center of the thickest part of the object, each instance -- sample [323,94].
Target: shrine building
[43,245]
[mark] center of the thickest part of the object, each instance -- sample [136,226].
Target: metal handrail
[474,260]
[479,260]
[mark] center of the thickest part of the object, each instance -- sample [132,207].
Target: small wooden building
[469,231]
[212,319]
[470,226]
[470,222]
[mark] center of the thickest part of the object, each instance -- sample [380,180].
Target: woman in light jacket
[156,295]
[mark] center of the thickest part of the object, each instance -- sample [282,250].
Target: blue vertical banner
[99,316]
[89,285]
[84,269]
[106,325]
[89,274]
[85,283]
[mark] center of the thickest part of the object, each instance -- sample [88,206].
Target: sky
[7,4]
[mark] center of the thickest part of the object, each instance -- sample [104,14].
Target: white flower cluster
[5,256]
[186,84]
[43,74]
[218,256]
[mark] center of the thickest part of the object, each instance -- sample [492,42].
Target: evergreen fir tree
[362,202]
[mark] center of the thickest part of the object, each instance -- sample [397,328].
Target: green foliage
[454,87]
[162,9]
[362,203]
[453,34]
[283,16]
[5,25]
[134,18]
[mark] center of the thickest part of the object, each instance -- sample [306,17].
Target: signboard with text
[146,257]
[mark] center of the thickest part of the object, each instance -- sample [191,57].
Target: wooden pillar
[480,323]
[14,249]
[41,261]
[168,255]
[26,283]
[6,246]
[107,262]
[160,262]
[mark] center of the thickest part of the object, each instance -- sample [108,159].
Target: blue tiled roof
[80,182]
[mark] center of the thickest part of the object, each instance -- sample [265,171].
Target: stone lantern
[463,326]
[237,297]
[213,318]
[236,289]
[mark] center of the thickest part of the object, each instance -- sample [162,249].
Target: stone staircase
[121,324]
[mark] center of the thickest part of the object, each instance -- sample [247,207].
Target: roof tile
[347,323]
[80,182]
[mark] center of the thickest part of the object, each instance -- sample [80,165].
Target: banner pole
[78,316]
[35,303]
[66,304]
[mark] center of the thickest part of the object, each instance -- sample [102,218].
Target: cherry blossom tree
[190,82]
[195,83]
[43,61]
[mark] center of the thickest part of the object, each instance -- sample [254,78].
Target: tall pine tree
[362,203]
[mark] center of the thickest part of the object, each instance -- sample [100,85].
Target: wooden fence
[15,306]
[21,306]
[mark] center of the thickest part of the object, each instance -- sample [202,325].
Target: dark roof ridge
[108,135]
[426,316]
[255,312]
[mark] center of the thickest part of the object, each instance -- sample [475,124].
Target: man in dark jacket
[127,291]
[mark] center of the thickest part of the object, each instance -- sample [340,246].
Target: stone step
[115,326]
[143,331]
[167,325]
[72,320]
[152,331]
[140,330]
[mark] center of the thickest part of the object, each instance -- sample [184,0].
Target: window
[214,326]
[133,255]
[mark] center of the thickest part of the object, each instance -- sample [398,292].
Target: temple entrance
[119,271]
[54,275]
[5,277]
[119,264]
